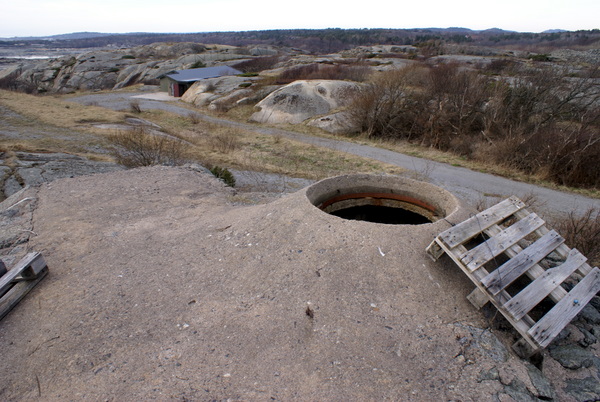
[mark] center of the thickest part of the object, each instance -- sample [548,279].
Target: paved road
[466,184]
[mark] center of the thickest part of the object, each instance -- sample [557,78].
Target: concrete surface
[161,288]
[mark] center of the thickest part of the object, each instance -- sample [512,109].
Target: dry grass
[240,149]
[57,112]
[224,141]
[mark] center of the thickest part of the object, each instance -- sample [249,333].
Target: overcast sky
[51,17]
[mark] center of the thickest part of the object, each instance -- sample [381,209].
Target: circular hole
[381,199]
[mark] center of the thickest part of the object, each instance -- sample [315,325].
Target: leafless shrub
[14,82]
[224,141]
[582,231]
[135,107]
[497,66]
[542,121]
[194,118]
[387,107]
[316,71]
[258,64]
[533,201]
[138,147]
[456,107]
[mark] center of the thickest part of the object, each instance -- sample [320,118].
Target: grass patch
[216,145]
[55,111]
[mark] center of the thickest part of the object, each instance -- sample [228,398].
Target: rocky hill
[114,69]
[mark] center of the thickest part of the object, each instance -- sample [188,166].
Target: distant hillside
[79,35]
[321,40]
[69,36]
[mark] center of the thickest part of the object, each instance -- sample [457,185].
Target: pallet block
[18,281]
[505,251]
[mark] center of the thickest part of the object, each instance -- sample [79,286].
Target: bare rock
[204,92]
[336,123]
[34,169]
[590,314]
[16,224]
[11,186]
[518,391]
[485,341]
[540,382]
[301,100]
[572,356]
[586,389]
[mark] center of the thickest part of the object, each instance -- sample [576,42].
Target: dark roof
[196,74]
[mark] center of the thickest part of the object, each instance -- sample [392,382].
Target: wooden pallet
[18,281]
[505,251]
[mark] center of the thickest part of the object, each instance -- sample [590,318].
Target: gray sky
[50,17]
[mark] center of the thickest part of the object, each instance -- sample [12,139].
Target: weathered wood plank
[562,250]
[28,267]
[473,226]
[478,298]
[556,319]
[17,292]
[508,272]
[524,348]
[497,244]
[529,297]
[524,324]
[434,250]
[535,271]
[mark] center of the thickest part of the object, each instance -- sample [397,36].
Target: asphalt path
[471,186]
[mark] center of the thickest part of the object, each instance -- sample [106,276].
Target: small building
[179,81]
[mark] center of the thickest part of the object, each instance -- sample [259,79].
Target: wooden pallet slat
[508,272]
[522,237]
[529,297]
[496,245]
[556,319]
[27,268]
[19,280]
[483,220]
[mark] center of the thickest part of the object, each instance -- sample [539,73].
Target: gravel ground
[469,185]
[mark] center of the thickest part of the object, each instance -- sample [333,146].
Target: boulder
[203,92]
[301,100]
[336,123]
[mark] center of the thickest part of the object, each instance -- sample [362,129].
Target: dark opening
[381,214]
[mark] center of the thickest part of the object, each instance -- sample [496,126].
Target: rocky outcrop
[223,92]
[301,100]
[32,169]
[114,69]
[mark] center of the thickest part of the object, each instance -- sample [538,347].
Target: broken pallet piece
[18,281]
[504,251]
